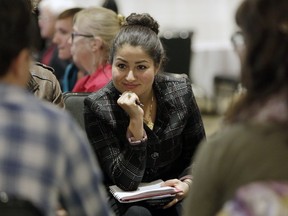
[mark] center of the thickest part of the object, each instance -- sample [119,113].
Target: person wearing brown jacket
[44,84]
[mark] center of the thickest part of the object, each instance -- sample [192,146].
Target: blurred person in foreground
[93,31]
[253,147]
[44,154]
[141,143]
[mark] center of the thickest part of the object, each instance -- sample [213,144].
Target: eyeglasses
[75,34]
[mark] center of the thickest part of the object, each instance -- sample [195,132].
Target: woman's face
[133,70]
[81,50]
[63,30]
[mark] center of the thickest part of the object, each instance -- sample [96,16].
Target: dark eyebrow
[120,59]
[142,61]
[138,62]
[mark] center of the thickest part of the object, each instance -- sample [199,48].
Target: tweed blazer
[170,147]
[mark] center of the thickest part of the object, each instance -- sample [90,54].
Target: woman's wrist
[187,179]
[133,141]
[188,182]
[136,128]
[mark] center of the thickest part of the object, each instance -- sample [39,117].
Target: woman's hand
[130,103]
[61,212]
[180,185]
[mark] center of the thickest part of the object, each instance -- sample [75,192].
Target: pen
[139,104]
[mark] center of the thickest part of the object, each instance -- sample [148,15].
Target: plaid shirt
[45,157]
[169,149]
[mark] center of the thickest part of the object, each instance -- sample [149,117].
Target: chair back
[74,104]
[176,75]
[13,206]
[178,47]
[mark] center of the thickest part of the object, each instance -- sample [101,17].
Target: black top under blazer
[170,147]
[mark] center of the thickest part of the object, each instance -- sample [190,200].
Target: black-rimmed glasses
[75,34]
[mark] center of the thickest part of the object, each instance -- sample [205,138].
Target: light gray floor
[212,123]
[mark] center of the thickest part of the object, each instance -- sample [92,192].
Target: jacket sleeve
[192,134]
[46,86]
[122,163]
[57,97]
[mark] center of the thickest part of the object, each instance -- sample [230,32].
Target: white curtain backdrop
[211,20]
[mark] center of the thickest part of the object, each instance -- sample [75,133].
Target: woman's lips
[130,86]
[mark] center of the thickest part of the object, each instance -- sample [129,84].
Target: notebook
[145,191]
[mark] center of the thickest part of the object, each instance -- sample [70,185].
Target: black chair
[13,206]
[225,86]
[178,50]
[74,104]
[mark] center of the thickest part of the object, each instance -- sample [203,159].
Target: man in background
[48,13]
[63,31]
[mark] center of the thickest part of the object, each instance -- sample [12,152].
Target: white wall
[211,20]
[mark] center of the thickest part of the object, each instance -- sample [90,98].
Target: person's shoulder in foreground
[54,156]
[253,146]
[232,158]
[45,157]
[44,84]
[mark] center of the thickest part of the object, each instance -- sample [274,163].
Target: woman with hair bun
[143,125]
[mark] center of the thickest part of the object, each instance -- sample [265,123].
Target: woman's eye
[141,67]
[121,66]
[64,32]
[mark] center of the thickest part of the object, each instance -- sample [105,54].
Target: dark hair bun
[143,19]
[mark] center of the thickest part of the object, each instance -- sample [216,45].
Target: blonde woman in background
[93,31]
